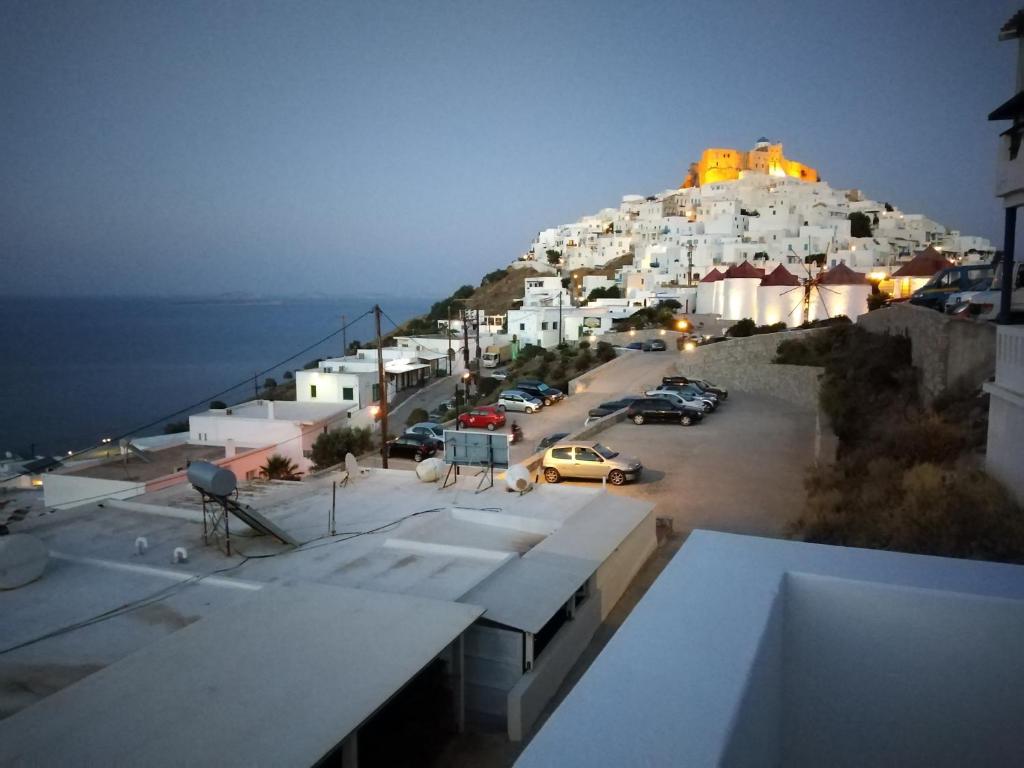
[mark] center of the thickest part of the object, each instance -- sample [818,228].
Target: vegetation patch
[907,477]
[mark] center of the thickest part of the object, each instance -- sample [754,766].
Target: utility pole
[451,351]
[465,339]
[382,383]
[476,314]
[560,292]
[255,387]
[689,262]
[344,337]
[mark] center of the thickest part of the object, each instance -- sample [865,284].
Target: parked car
[415,447]
[500,374]
[550,440]
[483,417]
[942,285]
[540,390]
[589,460]
[514,400]
[691,391]
[663,409]
[610,407]
[693,405]
[654,345]
[704,384]
[429,429]
[635,345]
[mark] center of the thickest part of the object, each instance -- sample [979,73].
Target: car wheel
[616,477]
[547,401]
[687,420]
[490,427]
[529,409]
[638,419]
[501,407]
[707,408]
[551,475]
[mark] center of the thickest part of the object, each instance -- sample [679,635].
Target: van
[944,284]
[984,305]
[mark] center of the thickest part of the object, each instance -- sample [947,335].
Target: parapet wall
[746,365]
[949,352]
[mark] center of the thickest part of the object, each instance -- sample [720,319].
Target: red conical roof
[780,276]
[924,264]
[712,277]
[746,269]
[843,275]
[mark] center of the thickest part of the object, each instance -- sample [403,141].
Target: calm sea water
[75,370]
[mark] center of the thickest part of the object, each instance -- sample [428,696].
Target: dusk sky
[405,148]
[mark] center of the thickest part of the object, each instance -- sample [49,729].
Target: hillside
[499,294]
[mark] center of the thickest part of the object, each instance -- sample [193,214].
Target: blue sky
[405,148]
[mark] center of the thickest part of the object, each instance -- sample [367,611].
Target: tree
[288,375]
[554,257]
[493,277]
[611,292]
[280,467]
[888,207]
[416,416]
[670,304]
[605,351]
[330,447]
[173,427]
[269,383]
[860,224]
[218,404]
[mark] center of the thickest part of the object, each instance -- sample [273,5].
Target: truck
[495,355]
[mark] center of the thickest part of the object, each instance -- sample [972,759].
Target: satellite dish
[430,470]
[22,560]
[517,478]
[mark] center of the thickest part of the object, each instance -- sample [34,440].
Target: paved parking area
[741,470]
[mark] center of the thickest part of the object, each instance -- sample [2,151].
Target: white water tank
[517,478]
[22,560]
[430,470]
[215,480]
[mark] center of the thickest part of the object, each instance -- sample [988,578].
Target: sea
[76,370]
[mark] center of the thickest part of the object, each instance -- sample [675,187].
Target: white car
[680,399]
[514,400]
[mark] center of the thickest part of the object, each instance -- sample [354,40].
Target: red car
[483,416]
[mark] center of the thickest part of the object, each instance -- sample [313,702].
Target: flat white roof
[284,410]
[216,690]
[762,651]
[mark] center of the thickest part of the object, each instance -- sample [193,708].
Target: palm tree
[280,467]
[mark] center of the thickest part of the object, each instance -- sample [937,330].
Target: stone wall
[746,365]
[622,338]
[949,352]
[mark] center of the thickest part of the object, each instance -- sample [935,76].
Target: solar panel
[258,522]
[476,449]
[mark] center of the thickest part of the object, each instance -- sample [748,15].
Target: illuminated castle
[730,164]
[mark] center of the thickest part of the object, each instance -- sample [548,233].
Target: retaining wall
[949,352]
[746,365]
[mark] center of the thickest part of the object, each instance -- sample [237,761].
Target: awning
[404,367]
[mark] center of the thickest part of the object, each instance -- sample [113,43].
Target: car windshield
[543,387]
[604,452]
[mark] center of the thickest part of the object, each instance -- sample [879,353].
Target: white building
[287,427]
[762,652]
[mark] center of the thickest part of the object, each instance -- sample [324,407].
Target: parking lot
[740,470]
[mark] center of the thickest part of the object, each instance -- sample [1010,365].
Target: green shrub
[173,427]
[218,404]
[550,356]
[605,351]
[280,467]
[583,359]
[416,416]
[583,345]
[330,447]
[741,328]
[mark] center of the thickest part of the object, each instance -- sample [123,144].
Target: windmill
[812,284]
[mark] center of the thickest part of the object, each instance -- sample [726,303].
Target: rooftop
[396,535]
[750,651]
[159,463]
[280,410]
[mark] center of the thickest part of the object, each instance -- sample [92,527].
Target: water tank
[215,480]
[430,470]
[22,560]
[517,478]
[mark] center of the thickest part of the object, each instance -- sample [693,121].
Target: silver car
[514,400]
[589,460]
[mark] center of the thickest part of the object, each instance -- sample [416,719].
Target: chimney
[229,448]
[270,409]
